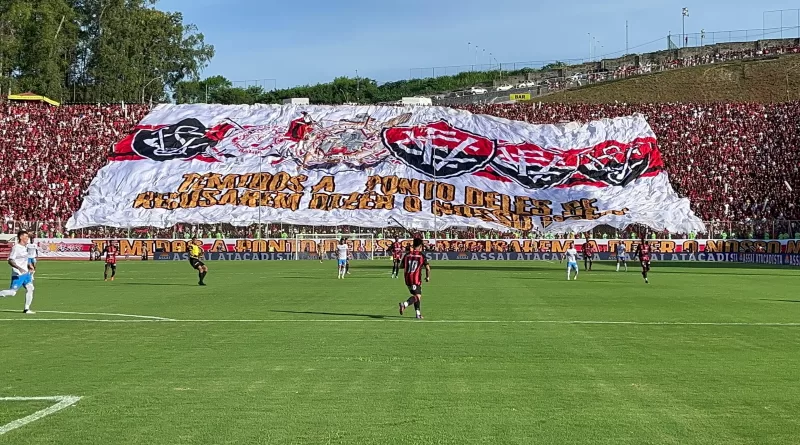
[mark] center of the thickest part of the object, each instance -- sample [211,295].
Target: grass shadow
[327,277]
[339,314]
[116,283]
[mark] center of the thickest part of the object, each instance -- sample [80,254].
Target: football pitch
[282,352]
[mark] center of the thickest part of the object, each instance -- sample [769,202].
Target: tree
[554,66]
[193,91]
[42,35]
[128,50]
[14,16]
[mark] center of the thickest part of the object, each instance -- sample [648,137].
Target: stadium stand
[49,155]
[733,161]
[570,77]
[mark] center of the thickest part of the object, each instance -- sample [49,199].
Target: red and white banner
[429,168]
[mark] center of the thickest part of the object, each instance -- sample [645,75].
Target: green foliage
[554,66]
[97,50]
[37,40]
[344,89]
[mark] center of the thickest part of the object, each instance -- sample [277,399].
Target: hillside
[739,81]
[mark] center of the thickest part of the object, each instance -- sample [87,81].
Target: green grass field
[509,352]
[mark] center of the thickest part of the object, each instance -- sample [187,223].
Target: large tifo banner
[429,168]
[783,252]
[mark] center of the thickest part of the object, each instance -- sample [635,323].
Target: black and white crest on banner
[183,140]
[438,149]
[613,169]
[529,166]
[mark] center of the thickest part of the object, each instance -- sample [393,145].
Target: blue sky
[312,41]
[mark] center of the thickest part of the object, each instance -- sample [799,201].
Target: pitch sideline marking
[146,317]
[410,320]
[61,403]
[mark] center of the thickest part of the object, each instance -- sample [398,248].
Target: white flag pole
[429,146]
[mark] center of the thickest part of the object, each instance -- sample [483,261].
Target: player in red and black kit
[412,263]
[110,251]
[396,249]
[588,256]
[643,252]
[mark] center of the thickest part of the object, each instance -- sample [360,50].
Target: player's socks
[402,308]
[8,293]
[617,267]
[28,298]
[202,276]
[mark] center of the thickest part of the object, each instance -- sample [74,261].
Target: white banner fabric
[427,167]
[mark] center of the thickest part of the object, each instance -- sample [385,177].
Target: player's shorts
[111,265]
[622,257]
[19,281]
[397,258]
[572,265]
[342,262]
[196,263]
[415,289]
[32,261]
[646,264]
[590,257]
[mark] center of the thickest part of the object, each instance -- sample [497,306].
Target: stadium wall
[779,252]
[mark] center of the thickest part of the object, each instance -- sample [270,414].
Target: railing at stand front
[751,229]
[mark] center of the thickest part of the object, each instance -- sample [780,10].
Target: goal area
[316,246]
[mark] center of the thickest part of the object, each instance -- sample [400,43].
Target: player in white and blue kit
[572,262]
[20,276]
[622,256]
[342,255]
[33,253]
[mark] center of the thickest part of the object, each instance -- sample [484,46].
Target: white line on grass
[62,402]
[88,320]
[411,320]
[145,317]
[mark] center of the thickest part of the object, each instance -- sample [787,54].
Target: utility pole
[627,47]
[684,13]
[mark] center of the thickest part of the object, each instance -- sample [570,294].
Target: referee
[196,259]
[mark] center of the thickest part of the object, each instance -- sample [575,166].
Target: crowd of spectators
[49,155]
[734,161]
